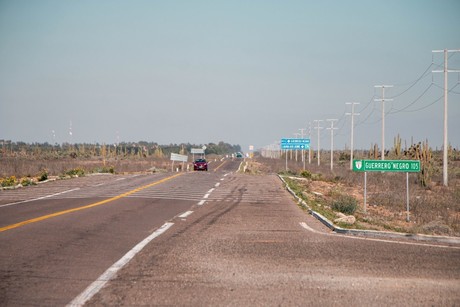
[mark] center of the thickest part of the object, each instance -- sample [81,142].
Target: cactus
[397,146]
[158,152]
[426,164]
[374,152]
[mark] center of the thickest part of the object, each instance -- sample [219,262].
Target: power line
[413,102]
[424,74]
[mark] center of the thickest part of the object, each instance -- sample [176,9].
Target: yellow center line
[45,217]
[220,166]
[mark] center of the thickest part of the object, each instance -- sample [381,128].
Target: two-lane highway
[202,238]
[57,238]
[251,245]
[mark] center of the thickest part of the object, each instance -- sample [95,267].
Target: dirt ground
[434,210]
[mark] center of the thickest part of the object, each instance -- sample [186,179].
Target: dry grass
[433,210]
[29,167]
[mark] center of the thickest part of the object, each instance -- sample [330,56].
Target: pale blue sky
[243,72]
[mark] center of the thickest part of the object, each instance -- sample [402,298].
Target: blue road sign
[295,144]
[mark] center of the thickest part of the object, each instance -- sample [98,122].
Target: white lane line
[120,179]
[222,179]
[217,184]
[185,214]
[201,202]
[304,225]
[206,196]
[210,191]
[111,272]
[39,198]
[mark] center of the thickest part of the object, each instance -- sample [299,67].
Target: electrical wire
[424,74]
[413,102]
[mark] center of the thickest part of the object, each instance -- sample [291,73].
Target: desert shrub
[9,181]
[317,177]
[105,170]
[78,172]
[26,182]
[306,174]
[345,204]
[43,175]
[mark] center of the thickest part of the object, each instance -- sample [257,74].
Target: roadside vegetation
[25,164]
[339,194]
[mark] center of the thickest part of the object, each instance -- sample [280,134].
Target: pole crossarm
[332,128]
[352,128]
[382,100]
[318,121]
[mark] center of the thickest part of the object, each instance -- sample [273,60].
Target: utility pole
[383,115]
[318,128]
[445,141]
[309,148]
[332,140]
[296,136]
[303,151]
[352,129]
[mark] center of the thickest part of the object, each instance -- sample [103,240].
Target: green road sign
[404,166]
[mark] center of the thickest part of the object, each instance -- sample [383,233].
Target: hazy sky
[239,71]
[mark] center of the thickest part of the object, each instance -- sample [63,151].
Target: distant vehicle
[200,165]
[239,155]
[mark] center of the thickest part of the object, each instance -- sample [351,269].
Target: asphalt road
[201,238]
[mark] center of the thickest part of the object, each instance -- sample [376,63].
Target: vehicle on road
[239,155]
[200,165]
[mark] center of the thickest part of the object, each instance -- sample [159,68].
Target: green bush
[9,181]
[76,172]
[43,176]
[27,181]
[345,204]
[306,174]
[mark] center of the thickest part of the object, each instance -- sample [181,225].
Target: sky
[242,72]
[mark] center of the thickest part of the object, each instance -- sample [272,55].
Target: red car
[200,165]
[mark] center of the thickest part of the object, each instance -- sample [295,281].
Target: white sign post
[402,166]
[197,151]
[177,157]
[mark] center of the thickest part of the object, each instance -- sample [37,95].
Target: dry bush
[29,167]
[433,209]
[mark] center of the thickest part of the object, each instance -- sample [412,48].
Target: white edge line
[185,214]
[111,272]
[304,225]
[39,198]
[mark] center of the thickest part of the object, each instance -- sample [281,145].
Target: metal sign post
[401,166]
[294,144]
